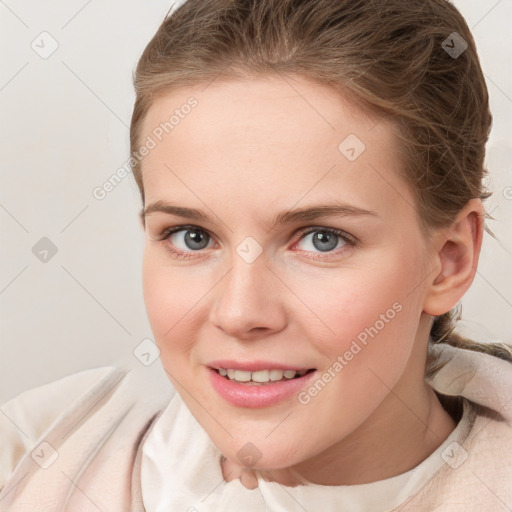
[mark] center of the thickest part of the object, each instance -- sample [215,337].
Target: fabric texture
[83,455]
[87,442]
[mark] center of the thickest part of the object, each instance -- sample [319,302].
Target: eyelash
[162,237]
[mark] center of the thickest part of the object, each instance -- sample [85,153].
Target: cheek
[372,318]
[372,311]
[157,298]
[169,297]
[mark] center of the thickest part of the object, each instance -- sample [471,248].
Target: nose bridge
[246,279]
[248,263]
[246,299]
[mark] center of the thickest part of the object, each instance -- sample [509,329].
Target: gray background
[64,131]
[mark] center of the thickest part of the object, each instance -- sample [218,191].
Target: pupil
[194,239]
[324,241]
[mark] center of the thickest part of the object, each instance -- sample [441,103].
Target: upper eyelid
[309,229]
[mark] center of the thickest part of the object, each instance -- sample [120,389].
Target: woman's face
[262,275]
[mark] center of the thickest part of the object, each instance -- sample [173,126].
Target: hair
[388,55]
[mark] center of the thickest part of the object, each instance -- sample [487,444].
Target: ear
[456,253]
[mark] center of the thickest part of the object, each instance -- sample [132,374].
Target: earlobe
[457,253]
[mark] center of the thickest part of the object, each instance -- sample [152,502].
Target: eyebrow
[306,214]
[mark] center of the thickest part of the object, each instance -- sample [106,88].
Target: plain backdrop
[70,275]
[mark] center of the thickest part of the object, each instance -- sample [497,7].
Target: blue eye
[325,239]
[327,242]
[195,239]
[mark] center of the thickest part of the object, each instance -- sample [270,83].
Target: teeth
[242,376]
[276,374]
[260,376]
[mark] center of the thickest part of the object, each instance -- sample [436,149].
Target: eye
[182,241]
[325,240]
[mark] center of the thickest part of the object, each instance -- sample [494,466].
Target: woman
[311,181]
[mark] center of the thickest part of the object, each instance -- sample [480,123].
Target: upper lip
[254,366]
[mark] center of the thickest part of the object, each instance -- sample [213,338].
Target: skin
[248,150]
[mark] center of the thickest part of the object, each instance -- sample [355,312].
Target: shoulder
[476,474]
[71,403]
[481,378]
[35,408]
[24,418]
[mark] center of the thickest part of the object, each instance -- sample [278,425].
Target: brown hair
[392,55]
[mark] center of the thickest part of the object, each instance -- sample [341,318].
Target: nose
[247,300]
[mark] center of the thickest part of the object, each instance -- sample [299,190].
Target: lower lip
[256,396]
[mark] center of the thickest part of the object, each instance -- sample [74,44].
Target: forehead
[268,110]
[243,136]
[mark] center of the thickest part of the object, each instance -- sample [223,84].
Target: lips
[254,394]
